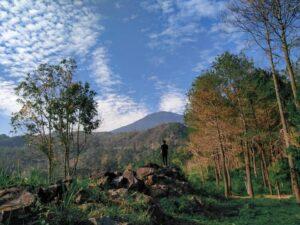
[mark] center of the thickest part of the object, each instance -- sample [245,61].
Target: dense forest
[234,160]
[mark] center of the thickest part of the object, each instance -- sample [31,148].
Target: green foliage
[279,172]
[35,179]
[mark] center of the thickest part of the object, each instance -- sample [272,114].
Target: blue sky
[141,56]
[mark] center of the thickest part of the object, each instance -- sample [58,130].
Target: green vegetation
[133,207]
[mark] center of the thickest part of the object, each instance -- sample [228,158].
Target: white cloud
[8,98]
[182,19]
[173,101]
[101,70]
[119,110]
[33,32]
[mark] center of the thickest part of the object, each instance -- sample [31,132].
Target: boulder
[143,172]
[119,182]
[108,179]
[151,179]
[152,165]
[130,176]
[15,205]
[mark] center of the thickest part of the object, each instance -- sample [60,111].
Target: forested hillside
[104,150]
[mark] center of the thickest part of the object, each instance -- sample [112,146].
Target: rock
[159,190]
[107,179]
[130,176]
[82,196]
[151,179]
[15,205]
[152,165]
[119,182]
[51,193]
[143,172]
[103,181]
[134,184]
[119,193]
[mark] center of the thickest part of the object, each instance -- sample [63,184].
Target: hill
[104,150]
[150,121]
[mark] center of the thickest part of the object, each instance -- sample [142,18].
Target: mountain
[150,121]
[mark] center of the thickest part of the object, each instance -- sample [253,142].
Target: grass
[133,208]
[258,211]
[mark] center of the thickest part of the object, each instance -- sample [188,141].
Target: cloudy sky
[141,56]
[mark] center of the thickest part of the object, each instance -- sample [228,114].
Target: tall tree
[36,96]
[75,110]
[54,107]
[253,17]
[284,21]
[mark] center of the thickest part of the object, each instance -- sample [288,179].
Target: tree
[232,70]
[284,18]
[75,110]
[253,17]
[36,95]
[208,116]
[54,107]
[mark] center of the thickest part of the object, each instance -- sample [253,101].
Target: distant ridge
[150,121]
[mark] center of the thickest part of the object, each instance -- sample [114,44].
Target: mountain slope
[150,121]
[104,150]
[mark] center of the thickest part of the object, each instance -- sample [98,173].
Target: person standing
[164,152]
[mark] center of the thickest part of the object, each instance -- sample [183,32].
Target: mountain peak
[150,121]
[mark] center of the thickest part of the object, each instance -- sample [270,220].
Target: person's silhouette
[164,152]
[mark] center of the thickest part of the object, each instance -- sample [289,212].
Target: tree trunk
[265,170]
[254,164]
[289,66]
[222,153]
[294,178]
[248,171]
[67,163]
[278,189]
[50,170]
[216,174]
[228,177]
[263,173]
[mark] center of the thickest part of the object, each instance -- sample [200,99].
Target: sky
[140,56]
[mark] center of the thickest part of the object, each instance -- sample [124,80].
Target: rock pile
[150,182]
[150,179]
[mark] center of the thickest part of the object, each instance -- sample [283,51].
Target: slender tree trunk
[246,154]
[50,169]
[265,170]
[216,174]
[278,189]
[254,164]
[285,50]
[219,167]
[228,176]
[294,178]
[67,162]
[263,173]
[290,72]
[225,178]
[248,171]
